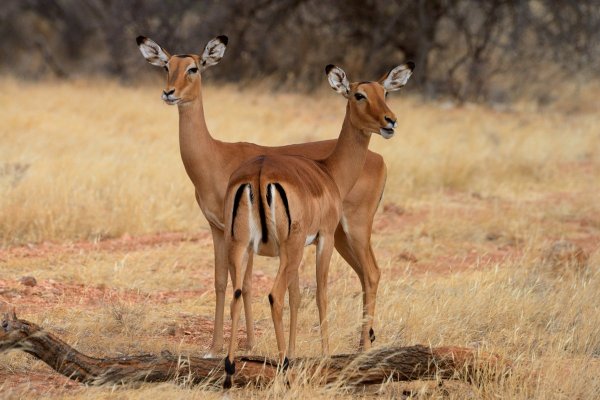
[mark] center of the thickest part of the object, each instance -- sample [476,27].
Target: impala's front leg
[324,250]
[357,251]
[221,271]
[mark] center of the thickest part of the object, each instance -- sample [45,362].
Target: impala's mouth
[387,133]
[171,100]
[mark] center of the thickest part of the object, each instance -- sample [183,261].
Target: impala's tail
[271,197]
[260,212]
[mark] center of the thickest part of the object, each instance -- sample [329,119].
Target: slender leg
[290,257]
[372,276]
[357,251]
[324,251]
[238,258]
[247,296]
[294,300]
[276,301]
[221,269]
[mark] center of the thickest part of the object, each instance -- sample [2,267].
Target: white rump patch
[255,233]
[271,190]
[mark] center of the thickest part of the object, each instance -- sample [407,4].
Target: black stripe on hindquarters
[261,213]
[236,202]
[284,199]
[269,197]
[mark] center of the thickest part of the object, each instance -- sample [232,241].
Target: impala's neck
[347,160]
[195,143]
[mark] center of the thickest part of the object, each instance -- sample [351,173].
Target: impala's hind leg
[289,258]
[239,258]
[247,296]
[294,300]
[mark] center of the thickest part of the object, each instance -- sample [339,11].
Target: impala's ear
[397,77]
[214,51]
[338,80]
[152,52]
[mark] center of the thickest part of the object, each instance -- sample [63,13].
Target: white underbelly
[310,239]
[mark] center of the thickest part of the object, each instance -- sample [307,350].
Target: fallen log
[373,367]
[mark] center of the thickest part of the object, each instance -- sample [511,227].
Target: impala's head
[183,70]
[367,108]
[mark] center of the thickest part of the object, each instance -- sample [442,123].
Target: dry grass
[474,198]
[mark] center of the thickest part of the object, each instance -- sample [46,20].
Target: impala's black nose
[170,92]
[391,121]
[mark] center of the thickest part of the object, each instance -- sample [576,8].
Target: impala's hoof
[372,335]
[285,365]
[229,371]
[213,351]
[227,382]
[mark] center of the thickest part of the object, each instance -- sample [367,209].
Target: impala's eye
[359,96]
[192,70]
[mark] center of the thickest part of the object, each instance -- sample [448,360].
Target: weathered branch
[374,367]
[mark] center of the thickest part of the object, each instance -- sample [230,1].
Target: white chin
[386,133]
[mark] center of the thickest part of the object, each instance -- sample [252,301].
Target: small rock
[406,256]
[491,236]
[28,281]
[171,330]
[392,208]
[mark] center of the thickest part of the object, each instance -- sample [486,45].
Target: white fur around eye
[192,66]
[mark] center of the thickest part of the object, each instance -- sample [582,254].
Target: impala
[278,204]
[209,163]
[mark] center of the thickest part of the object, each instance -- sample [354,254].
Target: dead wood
[374,367]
